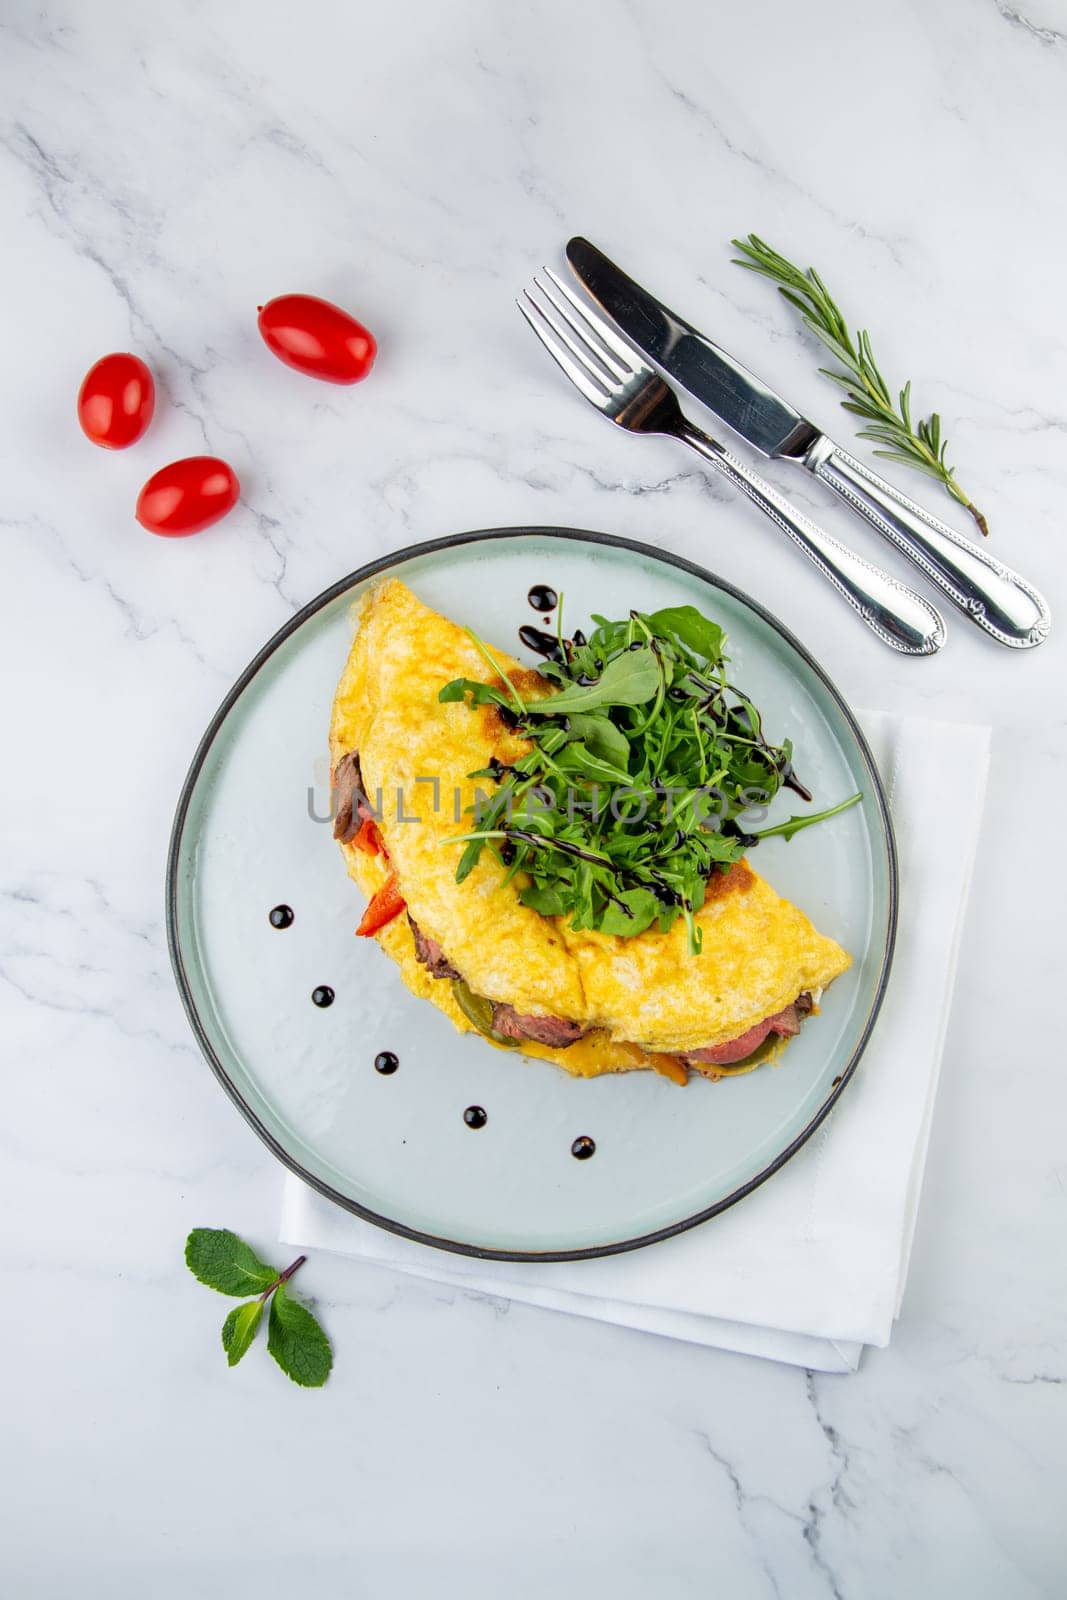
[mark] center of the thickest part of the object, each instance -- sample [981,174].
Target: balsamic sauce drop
[791,781]
[322,996]
[542,644]
[281,917]
[583,1148]
[475,1117]
[386,1062]
[542,598]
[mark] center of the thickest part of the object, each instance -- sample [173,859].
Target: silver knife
[997,599]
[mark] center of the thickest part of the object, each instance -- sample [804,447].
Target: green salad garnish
[642,764]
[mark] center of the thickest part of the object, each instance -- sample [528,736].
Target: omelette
[591,1002]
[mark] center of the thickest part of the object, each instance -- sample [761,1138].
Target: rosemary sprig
[919,445]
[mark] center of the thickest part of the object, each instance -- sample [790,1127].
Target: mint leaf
[297,1343]
[224,1262]
[239,1329]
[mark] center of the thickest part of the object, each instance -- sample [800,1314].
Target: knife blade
[1004,605]
[769,423]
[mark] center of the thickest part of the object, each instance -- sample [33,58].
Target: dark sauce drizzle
[542,644]
[739,715]
[386,1062]
[281,917]
[542,597]
[583,1148]
[322,996]
[475,1117]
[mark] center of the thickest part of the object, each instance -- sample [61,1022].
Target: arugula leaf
[239,1329]
[469,859]
[627,680]
[601,738]
[550,902]
[637,911]
[478,694]
[688,625]
[578,758]
[297,1342]
[224,1262]
[796,824]
[724,848]
[638,768]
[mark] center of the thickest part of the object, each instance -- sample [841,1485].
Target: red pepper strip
[368,839]
[387,903]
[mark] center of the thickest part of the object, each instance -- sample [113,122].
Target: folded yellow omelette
[590,1002]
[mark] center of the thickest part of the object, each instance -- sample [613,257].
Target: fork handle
[1008,608]
[901,618]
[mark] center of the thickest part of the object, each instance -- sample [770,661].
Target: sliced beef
[430,953]
[351,805]
[554,1031]
[784,1023]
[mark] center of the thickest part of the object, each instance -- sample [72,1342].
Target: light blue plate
[251,832]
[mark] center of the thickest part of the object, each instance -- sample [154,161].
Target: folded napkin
[812,1265]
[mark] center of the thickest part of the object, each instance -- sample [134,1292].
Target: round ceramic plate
[252,832]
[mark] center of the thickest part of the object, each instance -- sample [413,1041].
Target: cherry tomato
[386,904]
[317,338]
[187,495]
[116,401]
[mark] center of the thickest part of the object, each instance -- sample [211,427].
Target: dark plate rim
[371,570]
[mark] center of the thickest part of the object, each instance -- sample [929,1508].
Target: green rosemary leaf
[919,445]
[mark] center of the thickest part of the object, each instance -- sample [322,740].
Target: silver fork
[615,378]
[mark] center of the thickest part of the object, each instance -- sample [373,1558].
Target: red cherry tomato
[116,401]
[187,495]
[317,338]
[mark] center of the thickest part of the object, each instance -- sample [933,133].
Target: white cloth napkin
[812,1265]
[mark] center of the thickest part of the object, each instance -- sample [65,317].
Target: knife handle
[997,599]
[901,618]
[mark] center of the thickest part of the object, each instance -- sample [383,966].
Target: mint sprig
[222,1261]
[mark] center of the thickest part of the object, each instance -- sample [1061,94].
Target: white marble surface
[164,170]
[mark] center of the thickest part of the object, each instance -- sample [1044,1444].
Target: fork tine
[598,321]
[582,326]
[594,390]
[579,349]
[590,358]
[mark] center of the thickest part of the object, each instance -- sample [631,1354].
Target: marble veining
[164,171]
